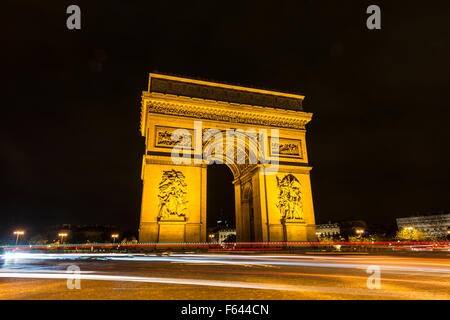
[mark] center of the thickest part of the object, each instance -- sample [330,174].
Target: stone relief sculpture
[172,196]
[165,138]
[289,198]
[287,148]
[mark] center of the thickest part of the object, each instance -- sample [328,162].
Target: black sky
[70,144]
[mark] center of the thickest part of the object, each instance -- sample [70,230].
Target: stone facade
[433,226]
[328,230]
[221,235]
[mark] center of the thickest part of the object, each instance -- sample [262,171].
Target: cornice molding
[221,111]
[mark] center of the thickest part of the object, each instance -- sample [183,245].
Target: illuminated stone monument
[258,134]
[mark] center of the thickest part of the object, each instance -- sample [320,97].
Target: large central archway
[239,164]
[221,213]
[184,122]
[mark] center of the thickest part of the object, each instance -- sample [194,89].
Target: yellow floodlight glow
[114,236]
[62,235]
[18,233]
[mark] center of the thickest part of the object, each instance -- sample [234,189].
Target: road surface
[224,276]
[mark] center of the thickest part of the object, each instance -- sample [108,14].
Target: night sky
[71,149]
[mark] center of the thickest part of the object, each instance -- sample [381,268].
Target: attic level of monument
[222,92]
[179,97]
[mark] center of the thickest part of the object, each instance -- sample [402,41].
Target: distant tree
[131,239]
[134,240]
[410,235]
[39,239]
[380,237]
[355,238]
[93,236]
[326,239]
[230,238]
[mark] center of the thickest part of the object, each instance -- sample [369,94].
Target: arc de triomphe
[258,134]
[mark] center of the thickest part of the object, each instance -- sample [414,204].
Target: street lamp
[360,231]
[408,228]
[114,236]
[18,233]
[62,236]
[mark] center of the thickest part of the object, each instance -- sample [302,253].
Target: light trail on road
[304,275]
[228,284]
[232,259]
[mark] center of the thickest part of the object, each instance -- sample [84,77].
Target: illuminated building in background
[328,230]
[221,235]
[433,226]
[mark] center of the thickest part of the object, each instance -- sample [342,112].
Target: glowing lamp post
[18,233]
[360,232]
[114,236]
[62,236]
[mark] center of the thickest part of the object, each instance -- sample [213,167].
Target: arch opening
[221,214]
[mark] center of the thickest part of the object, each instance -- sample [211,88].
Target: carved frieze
[220,114]
[288,148]
[163,138]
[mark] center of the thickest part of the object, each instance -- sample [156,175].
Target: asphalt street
[224,276]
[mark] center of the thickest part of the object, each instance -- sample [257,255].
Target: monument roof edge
[223,85]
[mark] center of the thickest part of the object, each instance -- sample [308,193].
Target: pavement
[224,276]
